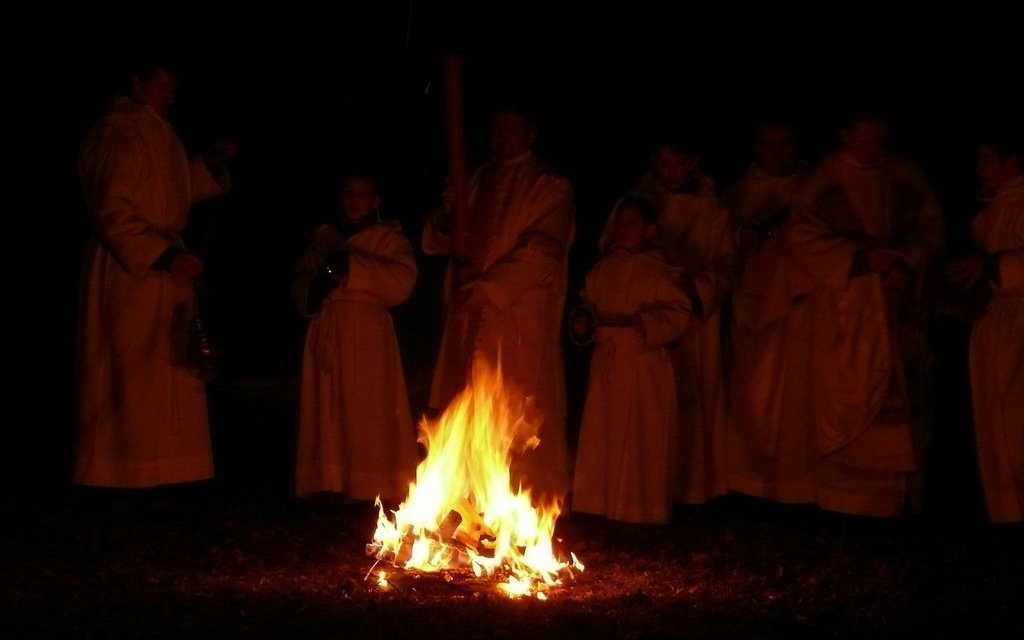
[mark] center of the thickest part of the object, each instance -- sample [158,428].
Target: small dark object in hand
[322,284]
[336,262]
[203,352]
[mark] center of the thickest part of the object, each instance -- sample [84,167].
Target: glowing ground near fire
[462,513]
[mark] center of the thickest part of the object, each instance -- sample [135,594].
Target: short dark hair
[149,59]
[865,112]
[643,205]
[1006,140]
[685,143]
[365,172]
[775,123]
[518,108]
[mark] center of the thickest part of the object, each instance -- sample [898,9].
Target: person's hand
[186,268]
[464,272]
[337,263]
[471,300]
[320,286]
[445,222]
[581,324]
[444,218]
[218,155]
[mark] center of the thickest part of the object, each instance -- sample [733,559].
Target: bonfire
[462,512]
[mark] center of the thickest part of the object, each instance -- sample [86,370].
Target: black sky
[306,88]
[300,86]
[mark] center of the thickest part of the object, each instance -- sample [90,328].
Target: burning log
[462,512]
[453,554]
[462,531]
[470,529]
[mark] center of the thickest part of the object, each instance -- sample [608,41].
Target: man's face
[157,91]
[776,151]
[866,141]
[510,136]
[672,168]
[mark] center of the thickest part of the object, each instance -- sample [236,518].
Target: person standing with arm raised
[141,414]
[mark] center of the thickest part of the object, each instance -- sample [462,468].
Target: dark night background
[303,90]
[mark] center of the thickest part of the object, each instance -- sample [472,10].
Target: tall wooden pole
[456,157]
[461,325]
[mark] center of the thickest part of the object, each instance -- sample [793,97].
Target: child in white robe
[355,432]
[633,310]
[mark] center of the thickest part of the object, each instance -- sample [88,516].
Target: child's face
[358,198]
[632,230]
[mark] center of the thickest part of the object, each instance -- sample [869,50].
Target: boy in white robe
[355,432]
[696,234]
[625,464]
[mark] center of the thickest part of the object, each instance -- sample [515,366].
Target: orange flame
[461,511]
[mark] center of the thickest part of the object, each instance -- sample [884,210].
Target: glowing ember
[461,513]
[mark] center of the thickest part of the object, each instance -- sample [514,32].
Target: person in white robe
[141,412]
[996,352]
[760,203]
[355,430]
[625,463]
[696,234]
[505,294]
[854,366]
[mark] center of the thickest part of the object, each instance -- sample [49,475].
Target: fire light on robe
[462,512]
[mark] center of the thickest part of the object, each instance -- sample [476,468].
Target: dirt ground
[238,557]
[226,561]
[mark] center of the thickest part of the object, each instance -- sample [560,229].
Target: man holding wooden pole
[508,231]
